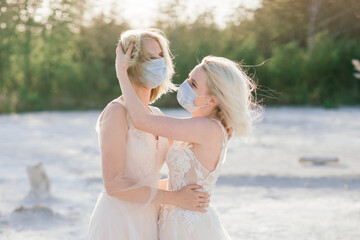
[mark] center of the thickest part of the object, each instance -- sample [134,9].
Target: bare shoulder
[210,128]
[115,112]
[215,127]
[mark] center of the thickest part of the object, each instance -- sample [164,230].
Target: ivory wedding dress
[176,223]
[115,219]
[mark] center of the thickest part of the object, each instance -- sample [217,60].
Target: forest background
[63,60]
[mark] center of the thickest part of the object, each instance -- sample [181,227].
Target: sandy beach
[264,193]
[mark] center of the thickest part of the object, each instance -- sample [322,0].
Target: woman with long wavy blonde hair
[131,159]
[219,95]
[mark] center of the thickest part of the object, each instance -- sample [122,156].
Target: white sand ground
[263,191]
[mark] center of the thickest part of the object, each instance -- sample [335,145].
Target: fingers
[204,200]
[120,45]
[120,50]
[129,51]
[199,209]
[194,187]
[203,205]
[202,195]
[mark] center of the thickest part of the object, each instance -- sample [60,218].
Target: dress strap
[120,101]
[153,110]
[224,146]
[100,118]
[225,137]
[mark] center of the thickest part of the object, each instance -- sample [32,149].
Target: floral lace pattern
[179,216]
[178,164]
[156,148]
[185,169]
[145,144]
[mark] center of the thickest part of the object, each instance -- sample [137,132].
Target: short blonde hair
[237,107]
[141,54]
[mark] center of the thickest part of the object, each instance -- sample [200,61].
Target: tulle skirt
[178,224]
[115,219]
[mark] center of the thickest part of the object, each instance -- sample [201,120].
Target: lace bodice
[185,168]
[145,155]
[127,208]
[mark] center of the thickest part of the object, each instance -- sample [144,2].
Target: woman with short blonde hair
[142,53]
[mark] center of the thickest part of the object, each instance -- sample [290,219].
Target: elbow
[110,191]
[115,192]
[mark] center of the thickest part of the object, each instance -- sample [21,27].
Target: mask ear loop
[201,105]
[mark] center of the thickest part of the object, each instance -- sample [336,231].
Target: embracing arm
[112,138]
[195,130]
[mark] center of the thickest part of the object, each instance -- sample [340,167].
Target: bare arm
[195,130]
[112,136]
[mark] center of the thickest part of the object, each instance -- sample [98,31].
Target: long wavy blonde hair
[237,107]
[141,53]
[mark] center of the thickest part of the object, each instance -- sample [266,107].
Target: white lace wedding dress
[115,219]
[177,223]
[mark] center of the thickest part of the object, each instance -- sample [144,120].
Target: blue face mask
[154,72]
[186,97]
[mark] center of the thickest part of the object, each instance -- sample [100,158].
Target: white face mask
[186,97]
[154,72]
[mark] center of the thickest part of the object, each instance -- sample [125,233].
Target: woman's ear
[213,102]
